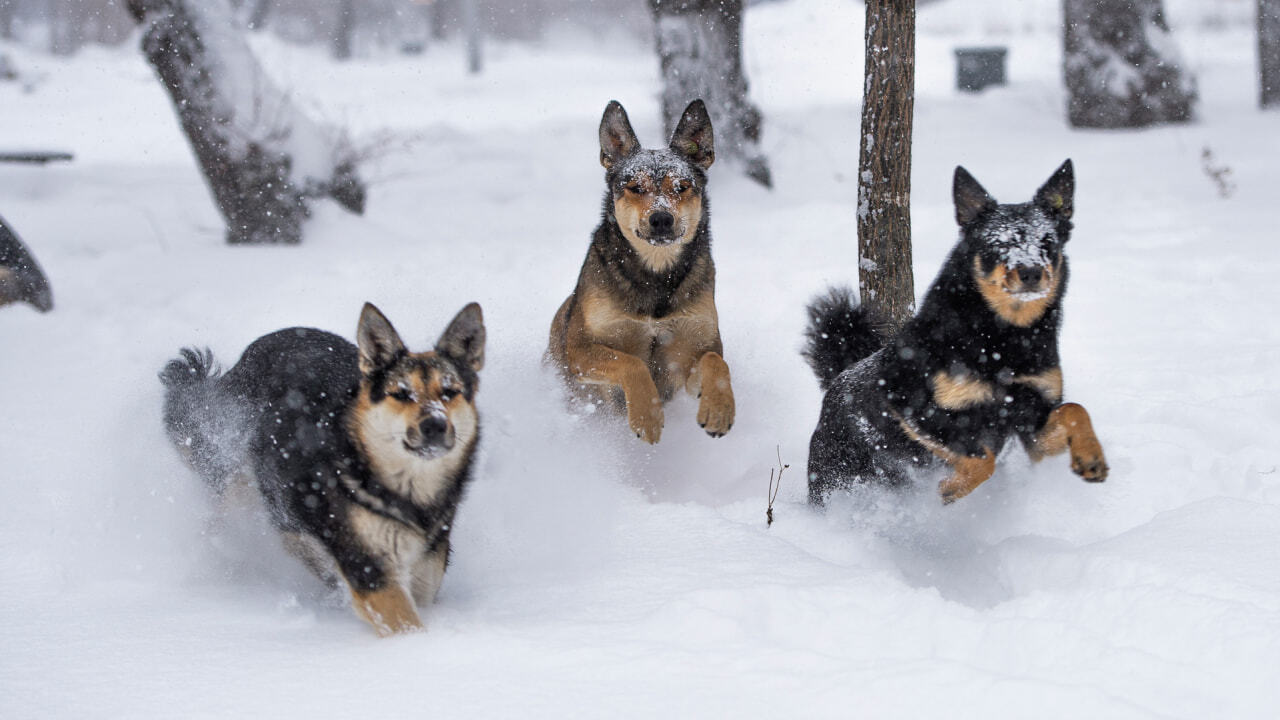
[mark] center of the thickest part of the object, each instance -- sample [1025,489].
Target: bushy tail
[196,414]
[839,334]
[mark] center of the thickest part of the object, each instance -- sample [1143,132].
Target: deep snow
[594,576]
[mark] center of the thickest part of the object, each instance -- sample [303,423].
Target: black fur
[859,438]
[839,334]
[21,279]
[283,412]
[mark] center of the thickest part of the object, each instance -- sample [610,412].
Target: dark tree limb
[700,49]
[886,285]
[263,159]
[1120,65]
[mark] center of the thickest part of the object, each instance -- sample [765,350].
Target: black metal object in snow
[35,157]
[979,67]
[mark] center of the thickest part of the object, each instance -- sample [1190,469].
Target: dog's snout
[1030,276]
[433,427]
[661,222]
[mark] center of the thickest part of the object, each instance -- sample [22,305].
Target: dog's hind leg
[428,574]
[314,555]
[1069,428]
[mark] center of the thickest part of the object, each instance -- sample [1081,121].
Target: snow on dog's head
[1016,249]
[656,196]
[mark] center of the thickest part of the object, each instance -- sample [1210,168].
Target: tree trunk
[886,285]
[262,157]
[471,25]
[700,47]
[1121,67]
[21,279]
[1269,52]
[344,29]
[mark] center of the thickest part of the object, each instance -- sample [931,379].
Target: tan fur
[1047,383]
[632,211]
[998,288]
[389,610]
[426,576]
[967,473]
[1069,427]
[380,429]
[601,344]
[958,392]
[8,279]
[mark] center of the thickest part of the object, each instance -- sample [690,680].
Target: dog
[21,279]
[976,365]
[361,452]
[641,321]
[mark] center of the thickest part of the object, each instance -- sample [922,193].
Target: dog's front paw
[716,410]
[1087,460]
[644,415]
[952,489]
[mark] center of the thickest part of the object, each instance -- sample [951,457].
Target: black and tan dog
[21,279]
[361,452]
[641,322]
[976,365]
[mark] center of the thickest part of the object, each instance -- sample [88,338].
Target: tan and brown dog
[641,322]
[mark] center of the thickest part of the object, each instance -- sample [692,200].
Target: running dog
[21,279]
[641,322]
[361,452]
[975,366]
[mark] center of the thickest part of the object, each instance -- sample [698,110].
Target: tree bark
[262,158]
[886,285]
[700,48]
[1269,52]
[1121,66]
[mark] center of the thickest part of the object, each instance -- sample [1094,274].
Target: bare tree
[1269,52]
[1121,66]
[262,157]
[700,47]
[886,285]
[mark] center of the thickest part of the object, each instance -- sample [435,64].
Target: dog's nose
[661,222]
[433,428]
[1030,275]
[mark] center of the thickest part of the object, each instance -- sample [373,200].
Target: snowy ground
[593,576]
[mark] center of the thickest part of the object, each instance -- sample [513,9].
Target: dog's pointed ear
[617,139]
[378,343]
[1058,193]
[971,198]
[463,340]
[693,137]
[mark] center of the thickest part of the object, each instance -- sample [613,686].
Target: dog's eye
[448,393]
[635,189]
[401,394]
